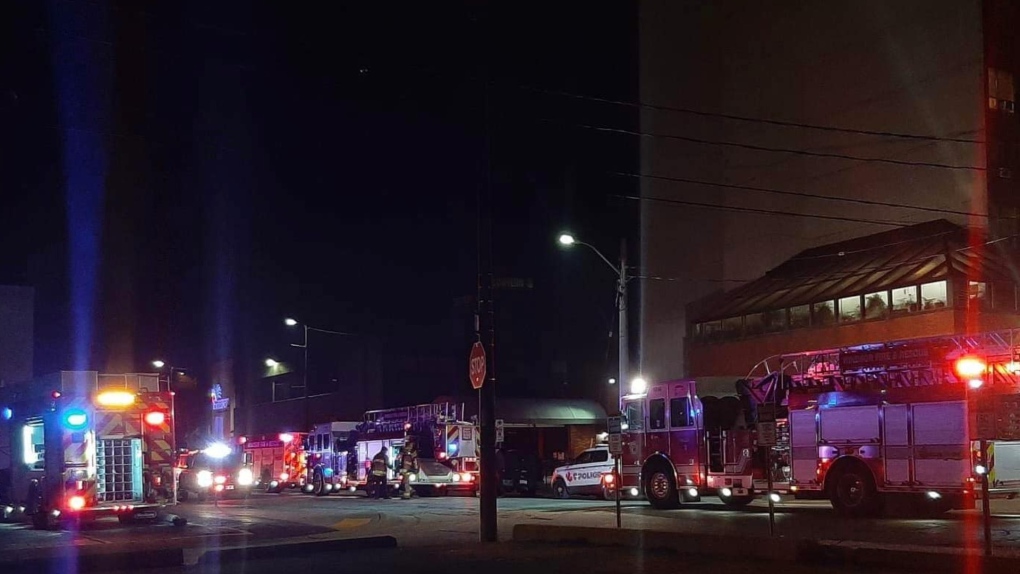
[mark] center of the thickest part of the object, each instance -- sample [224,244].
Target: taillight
[76,502]
[155,418]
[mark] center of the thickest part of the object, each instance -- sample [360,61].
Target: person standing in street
[408,466]
[377,487]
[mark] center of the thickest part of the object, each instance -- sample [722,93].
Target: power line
[735,117]
[764,211]
[781,150]
[797,194]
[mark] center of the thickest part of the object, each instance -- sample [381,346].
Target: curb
[75,560]
[246,553]
[768,549]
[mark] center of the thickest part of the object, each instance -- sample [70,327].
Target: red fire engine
[853,425]
[86,445]
[447,456]
[278,461]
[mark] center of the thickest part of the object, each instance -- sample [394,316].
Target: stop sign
[476,365]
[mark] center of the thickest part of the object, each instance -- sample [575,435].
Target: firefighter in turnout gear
[377,486]
[408,467]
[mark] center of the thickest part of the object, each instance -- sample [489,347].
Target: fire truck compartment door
[804,445]
[896,444]
[941,448]
[1005,467]
[853,425]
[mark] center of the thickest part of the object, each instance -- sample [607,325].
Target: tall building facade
[17,333]
[743,100]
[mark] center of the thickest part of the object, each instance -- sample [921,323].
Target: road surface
[449,521]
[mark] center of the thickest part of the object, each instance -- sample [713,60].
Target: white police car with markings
[586,475]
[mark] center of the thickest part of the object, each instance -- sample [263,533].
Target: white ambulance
[585,475]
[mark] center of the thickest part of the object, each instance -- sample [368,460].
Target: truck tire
[182,493]
[318,484]
[560,489]
[736,501]
[660,487]
[852,491]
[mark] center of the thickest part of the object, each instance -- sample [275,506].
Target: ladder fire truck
[854,425]
[447,450]
[86,445]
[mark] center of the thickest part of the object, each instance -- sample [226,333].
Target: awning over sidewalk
[539,412]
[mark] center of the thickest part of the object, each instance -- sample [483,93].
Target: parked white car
[585,474]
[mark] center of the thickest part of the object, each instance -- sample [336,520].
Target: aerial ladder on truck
[857,425]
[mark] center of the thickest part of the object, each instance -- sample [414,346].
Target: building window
[800,316]
[774,320]
[876,305]
[977,295]
[634,417]
[850,309]
[711,330]
[933,295]
[680,412]
[824,313]
[732,327]
[1003,297]
[904,300]
[656,414]
[753,324]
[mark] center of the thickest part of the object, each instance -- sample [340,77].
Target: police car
[585,475]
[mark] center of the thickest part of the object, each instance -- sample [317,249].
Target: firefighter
[377,487]
[408,466]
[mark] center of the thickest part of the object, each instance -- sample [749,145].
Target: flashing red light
[242,440]
[56,394]
[286,437]
[970,367]
[407,426]
[155,418]
[76,502]
[608,478]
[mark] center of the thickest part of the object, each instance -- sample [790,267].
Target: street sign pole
[986,510]
[616,450]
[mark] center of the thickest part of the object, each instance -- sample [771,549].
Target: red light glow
[155,418]
[970,367]
[76,502]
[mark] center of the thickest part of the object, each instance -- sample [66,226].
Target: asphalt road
[451,521]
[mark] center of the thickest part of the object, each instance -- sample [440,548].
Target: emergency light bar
[115,399]
[75,419]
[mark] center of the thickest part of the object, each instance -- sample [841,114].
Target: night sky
[236,165]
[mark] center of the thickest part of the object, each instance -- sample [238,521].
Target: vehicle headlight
[245,477]
[456,477]
[412,477]
[204,479]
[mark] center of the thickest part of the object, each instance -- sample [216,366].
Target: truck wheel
[736,501]
[560,489]
[182,493]
[41,520]
[318,485]
[660,488]
[853,491]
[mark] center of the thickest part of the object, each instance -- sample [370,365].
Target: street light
[568,240]
[638,386]
[272,363]
[290,322]
[159,364]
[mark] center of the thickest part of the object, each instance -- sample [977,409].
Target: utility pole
[622,329]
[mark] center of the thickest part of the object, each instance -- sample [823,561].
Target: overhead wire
[767,121]
[776,191]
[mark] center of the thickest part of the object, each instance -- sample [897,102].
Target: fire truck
[86,445]
[447,451]
[925,420]
[276,461]
[330,448]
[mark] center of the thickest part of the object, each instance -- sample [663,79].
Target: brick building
[930,279]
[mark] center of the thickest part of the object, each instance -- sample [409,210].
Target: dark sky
[177,177]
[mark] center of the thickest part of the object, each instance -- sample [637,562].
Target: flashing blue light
[7,413]
[452,448]
[327,472]
[75,419]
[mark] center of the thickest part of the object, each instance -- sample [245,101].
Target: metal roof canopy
[902,257]
[517,412]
